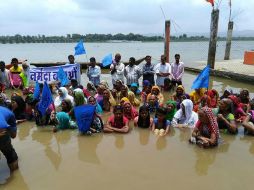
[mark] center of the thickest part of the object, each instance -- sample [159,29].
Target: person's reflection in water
[119,142]
[144,135]
[19,181]
[161,143]
[184,134]
[87,148]
[4,170]
[45,136]
[23,130]
[249,139]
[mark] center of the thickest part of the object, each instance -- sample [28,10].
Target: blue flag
[62,77]
[79,48]
[84,117]
[37,91]
[107,60]
[202,80]
[46,99]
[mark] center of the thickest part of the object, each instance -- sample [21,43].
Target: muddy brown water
[138,160]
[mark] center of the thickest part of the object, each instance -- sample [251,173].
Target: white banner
[49,74]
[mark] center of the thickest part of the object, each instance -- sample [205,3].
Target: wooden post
[229,39]
[167,40]
[213,38]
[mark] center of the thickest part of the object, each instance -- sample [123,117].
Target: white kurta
[160,68]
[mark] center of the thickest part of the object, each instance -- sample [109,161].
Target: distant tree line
[69,38]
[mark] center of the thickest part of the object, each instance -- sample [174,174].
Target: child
[143,120]
[117,122]
[160,123]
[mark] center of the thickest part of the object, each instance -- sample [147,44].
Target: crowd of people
[130,99]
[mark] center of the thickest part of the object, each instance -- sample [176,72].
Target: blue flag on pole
[62,77]
[46,99]
[84,117]
[202,80]
[79,48]
[107,60]
[37,91]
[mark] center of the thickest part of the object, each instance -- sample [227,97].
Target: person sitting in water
[18,107]
[129,111]
[147,88]
[177,96]
[117,122]
[196,96]
[160,123]
[143,120]
[99,94]
[15,70]
[8,130]
[66,105]
[206,131]
[214,96]
[226,93]
[156,91]
[108,101]
[239,113]
[134,89]
[225,116]
[248,123]
[62,94]
[124,91]
[152,103]
[167,85]
[133,100]
[244,96]
[91,88]
[61,121]
[185,117]
[171,109]
[92,101]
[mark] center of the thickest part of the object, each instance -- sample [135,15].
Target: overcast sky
[61,17]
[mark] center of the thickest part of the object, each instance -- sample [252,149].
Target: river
[138,160]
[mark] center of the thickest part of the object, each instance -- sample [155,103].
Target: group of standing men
[132,72]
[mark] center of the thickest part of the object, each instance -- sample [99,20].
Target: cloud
[59,17]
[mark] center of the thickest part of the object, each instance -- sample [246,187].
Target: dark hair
[252,104]
[148,56]
[132,59]
[70,56]
[144,123]
[117,108]
[161,110]
[14,60]
[167,81]
[92,59]
[177,55]
[2,63]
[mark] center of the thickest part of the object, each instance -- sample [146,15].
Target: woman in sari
[62,94]
[18,106]
[108,101]
[92,101]
[171,109]
[133,100]
[206,132]
[156,91]
[177,96]
[129,111]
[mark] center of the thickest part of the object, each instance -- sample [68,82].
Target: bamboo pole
[213,38]
[229,39]
[167,40]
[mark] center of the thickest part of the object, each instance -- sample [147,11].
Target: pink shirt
[177,70]
[111,120]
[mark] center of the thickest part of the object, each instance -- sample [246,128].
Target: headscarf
[63,120]
[181,87]
[212,120]
[98,107]
[207,100]
[146,83]
[213,94]
[125,99]
[59,99]
[79,98]
[171,114]
[105,84]
[188,106]
[159,96]
[235,100]
[133,112]
[92,89]
[133,100]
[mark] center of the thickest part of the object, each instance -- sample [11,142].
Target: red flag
[211,1]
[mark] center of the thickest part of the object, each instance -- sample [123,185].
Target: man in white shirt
[4,75]
[177,69]
[132,72]
[117,69]
[163,71]
[94,72]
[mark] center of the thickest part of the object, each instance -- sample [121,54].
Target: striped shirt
[132,74]
[177,71]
